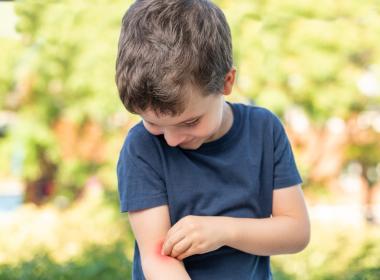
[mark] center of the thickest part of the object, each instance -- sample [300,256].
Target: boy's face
[205,119]
[201,122]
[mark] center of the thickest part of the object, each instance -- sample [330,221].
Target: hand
[194,235]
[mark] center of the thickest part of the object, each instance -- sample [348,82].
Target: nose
[173,139]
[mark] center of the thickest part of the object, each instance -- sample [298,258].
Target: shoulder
[139,142]
[259,116]
[137,134]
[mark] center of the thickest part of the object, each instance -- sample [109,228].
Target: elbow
[303,242]
[303,238]
[299,236]
[299,243]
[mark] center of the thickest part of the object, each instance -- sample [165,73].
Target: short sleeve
[139,185]
[285,170]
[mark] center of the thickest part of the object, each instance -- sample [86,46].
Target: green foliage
[86,240]
[10,50]
[79,172]
[296,52]
[365,265]
[314,56]
[336,251]
[62,69]
[96,262]
[32,139]
[288,52]
[367,154]
[75,46]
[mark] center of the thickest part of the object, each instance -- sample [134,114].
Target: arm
[287,231]
[150,227]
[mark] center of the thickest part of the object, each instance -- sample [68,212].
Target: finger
[169,243]
[186,254]
[177,226]
[171,232]
[181,247]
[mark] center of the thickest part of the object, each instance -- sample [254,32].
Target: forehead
[196,106]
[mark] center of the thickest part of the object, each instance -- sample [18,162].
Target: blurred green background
[315,64]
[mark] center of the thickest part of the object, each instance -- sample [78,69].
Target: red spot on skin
[158,252]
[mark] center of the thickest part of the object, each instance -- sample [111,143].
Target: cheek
[205,130]
[153,130]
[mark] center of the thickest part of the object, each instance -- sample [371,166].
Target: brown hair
[168,46]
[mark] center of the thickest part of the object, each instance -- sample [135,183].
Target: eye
[193,123]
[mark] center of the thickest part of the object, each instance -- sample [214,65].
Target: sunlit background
[316,64]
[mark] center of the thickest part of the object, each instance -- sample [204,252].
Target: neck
[227,120]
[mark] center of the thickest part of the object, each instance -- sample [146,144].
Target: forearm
[159,267]
[267,236]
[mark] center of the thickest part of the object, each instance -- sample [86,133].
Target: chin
[188,147]
[191,146]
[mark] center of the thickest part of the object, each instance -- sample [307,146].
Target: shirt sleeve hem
[287,182]
[134,205]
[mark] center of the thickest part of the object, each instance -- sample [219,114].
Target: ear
[229,81]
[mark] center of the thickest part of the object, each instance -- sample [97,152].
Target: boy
[211,187]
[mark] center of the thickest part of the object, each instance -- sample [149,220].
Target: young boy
[211,187]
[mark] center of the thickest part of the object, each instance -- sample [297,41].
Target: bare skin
[287,231]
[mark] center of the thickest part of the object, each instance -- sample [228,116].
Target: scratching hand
[193,235]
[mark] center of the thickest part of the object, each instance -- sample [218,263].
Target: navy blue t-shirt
[233,176]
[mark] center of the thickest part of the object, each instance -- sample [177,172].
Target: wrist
[228,230]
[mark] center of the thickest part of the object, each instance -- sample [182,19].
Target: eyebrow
[183,122]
